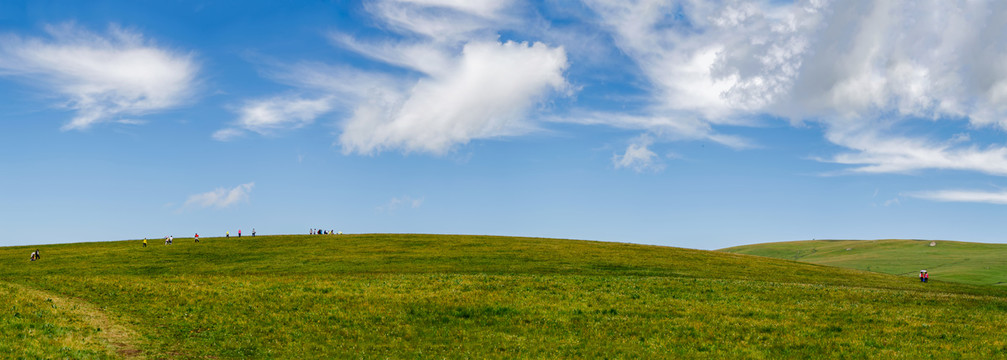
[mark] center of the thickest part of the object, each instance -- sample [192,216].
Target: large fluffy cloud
[487,94]
[102,77]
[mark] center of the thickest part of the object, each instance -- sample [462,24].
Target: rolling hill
[971,263]
[456,296]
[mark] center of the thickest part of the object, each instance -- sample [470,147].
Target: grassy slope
[498,297]
[972,263]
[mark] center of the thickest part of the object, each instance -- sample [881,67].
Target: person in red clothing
[922,274]
[196,237]
[926,276]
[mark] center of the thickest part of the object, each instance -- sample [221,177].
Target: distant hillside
[971,263]
[486,297]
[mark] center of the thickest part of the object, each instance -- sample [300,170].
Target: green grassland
[440,296]
[971,263]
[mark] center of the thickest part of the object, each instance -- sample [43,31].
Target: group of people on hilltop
[227,234]
[924,276]
[322,232]
[35,255]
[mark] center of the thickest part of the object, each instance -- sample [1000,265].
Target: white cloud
[487,95]
[101,77]
[267,116]
[638,157]
[990,197]
[221,197]
[710,60]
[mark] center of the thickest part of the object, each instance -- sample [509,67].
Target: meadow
[456,296]
[965,262]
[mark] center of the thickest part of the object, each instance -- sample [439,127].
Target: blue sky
[700,124]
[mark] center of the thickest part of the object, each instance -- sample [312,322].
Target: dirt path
[118,338]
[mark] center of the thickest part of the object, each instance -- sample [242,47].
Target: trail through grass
[34,325]
[116,337]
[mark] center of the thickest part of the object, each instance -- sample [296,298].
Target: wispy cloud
[876,152]
[221,197]
[267,116]
[397,203]
[443,21]
[102,77]
[665,128]
[975,196]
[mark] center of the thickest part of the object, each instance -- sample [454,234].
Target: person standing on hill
[253,232]
[144,242]
[227,234]
[196,237]
[239,232]
[923,274]
[926,276]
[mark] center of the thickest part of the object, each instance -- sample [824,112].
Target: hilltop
[972,263]
[396,296]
